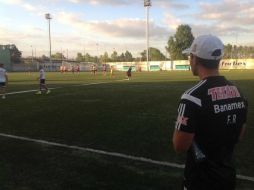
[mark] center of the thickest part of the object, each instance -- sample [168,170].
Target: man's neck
[204,73]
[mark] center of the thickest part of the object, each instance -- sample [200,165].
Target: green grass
[133,117]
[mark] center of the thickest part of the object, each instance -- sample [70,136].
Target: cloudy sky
[96,26]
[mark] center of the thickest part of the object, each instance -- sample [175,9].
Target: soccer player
[211,120]
[104,69]
[94,69]
[42,80]
[3,80]
[72,69]
[128,73]
[111,71]
[78,69]
[61,69]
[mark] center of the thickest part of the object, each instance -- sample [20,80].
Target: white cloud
[29,7]
[170,4]
[69,18]
[74,1]
[12,2]
[221,30]
[105,2]
[229,12]
[120,28]
[122,32]
[36,8]
[171,21]
[159,3]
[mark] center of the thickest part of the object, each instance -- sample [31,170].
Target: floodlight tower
[48,17]
[147,5]
[32,54]
[97,48]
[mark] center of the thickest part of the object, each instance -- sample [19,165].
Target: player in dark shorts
[94,69]
[211,120]
[42,84]
[72,69]
[128,73]
[104,69]
[78,69]
[42,81]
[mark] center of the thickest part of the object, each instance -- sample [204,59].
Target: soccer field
[131,119]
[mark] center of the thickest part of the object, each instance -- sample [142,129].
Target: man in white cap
[211,118]
[3,80]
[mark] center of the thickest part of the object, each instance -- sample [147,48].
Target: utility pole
[147,5]
[48,17]
[32,55]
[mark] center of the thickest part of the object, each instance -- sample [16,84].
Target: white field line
[27,91]
[87,84]
[21,92]
[115,154]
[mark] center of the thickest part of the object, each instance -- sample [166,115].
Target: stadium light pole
[32,54]
[97,46]
[48,17]
[33,57]
[61,56]
[236,37]
[147,5]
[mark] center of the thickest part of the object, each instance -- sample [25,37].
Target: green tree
[96,59]
[105,58]
[128,56]
[179,42]
[251,52]
[79,57]
[87,57]
[114,56]
[121,57]
[44,58]
[15,53]
[143,56]
[238,52]
[57,56]
[228,51]
[154,55]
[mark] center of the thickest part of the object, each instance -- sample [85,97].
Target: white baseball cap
[206,47]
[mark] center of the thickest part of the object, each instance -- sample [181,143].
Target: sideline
[86,84]
[115,154]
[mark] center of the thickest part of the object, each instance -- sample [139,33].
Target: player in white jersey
[3,80]
[42,79]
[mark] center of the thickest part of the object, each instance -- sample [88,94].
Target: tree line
[155,55]
[181,40]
